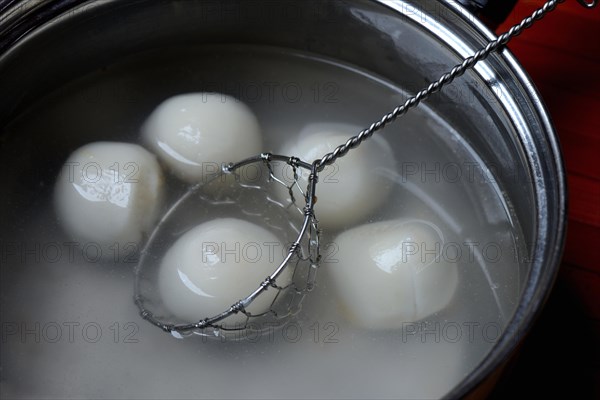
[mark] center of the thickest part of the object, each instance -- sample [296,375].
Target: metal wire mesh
[231,192]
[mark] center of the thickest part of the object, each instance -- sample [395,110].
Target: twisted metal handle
[444,80]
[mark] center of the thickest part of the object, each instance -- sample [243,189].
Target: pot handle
[491,12]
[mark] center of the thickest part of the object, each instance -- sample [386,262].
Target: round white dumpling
[195,133]
[216,264]
[392,272]
[350,189]
[109,193]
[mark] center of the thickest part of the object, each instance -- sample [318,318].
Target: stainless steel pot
[44,44]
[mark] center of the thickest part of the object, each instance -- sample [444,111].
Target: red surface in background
[562,55]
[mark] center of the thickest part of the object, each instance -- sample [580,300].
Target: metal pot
[44,44]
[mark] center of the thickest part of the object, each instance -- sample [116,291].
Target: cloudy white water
[69,325]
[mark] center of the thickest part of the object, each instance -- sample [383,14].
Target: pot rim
[19,18]
[540,281]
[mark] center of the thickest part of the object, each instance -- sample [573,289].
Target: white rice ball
[195,134]
[392,272]
[110,194]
